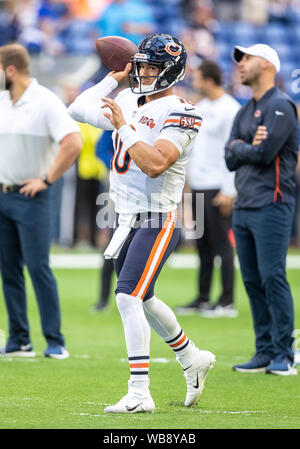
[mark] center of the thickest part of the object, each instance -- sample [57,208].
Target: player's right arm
[87,106]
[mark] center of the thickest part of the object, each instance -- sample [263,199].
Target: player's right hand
[121,76]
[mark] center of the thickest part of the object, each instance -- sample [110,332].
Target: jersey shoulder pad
[183,116]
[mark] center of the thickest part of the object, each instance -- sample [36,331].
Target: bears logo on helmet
[164,51]
[173,49]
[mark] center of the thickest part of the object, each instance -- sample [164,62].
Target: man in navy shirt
[262,150]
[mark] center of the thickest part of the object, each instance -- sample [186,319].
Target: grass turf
[44,393]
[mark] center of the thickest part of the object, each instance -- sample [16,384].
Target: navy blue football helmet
[165,51]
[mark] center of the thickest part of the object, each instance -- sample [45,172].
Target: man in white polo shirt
[38,142]
[208,175]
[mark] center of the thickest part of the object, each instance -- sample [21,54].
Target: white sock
[163,320]
[137,337]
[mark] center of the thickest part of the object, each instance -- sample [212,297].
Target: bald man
[262,150]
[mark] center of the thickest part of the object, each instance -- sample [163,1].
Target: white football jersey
[171,118]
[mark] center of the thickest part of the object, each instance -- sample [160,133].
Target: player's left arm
[155,159]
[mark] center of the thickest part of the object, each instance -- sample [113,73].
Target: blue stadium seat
[158,12]
[77,37]
[294,33]
[223,32]
[295,55]
[33,48]
[174,26]
[226,66]
[287,68]
[224,50]
[284,52]
[245,42]
[276,33]
[8,29]
[245,34]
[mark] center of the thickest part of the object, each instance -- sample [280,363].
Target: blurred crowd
[208,29]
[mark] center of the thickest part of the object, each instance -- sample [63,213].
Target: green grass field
[44,393]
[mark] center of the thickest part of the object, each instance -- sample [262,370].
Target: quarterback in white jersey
[135,188]
[169,118]
[153,134]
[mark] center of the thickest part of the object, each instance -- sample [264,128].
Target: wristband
[45,180]
[128,136]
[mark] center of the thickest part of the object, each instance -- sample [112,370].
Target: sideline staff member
[208,175]
[32,120]
[262,149]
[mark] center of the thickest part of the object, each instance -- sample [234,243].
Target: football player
[154,131]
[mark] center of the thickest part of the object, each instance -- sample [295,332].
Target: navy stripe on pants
[25,239]
[262,239]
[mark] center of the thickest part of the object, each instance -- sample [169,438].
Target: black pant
[215,241]
[86,210]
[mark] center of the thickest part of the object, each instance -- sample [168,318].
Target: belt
[6,188]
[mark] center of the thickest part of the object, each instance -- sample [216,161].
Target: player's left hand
[224,202]
[32,186]
[116,117]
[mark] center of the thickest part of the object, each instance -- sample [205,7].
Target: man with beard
[262,150]
[33,121]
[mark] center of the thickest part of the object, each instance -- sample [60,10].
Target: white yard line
[225,412]
[176,261]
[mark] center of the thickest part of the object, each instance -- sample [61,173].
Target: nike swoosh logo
[131,409]
[187,368]
[197,384]
[25,347]
[188,109]
[279,113]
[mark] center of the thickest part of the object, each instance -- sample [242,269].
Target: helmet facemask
[159,82]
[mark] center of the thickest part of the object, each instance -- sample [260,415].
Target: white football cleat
[195,375]
[137,400]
